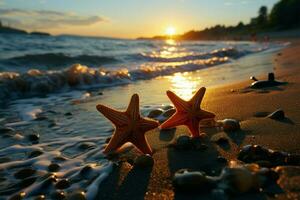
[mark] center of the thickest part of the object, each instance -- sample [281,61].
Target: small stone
[144,161]
[53,167]
[185,180]
[169,113]
[68,114]
[24,173]
[63,184]
[155,113]
[197,144]
[222,141]
[100,93]
[18,196]
[221,159]
[230,125]
[35,153]
[34,137]
[261,114]
[40,197]
[277,115]
[27,182]
[183,142]
[252,153]
[58,195]
[77,195]
[278,157]
[86,145]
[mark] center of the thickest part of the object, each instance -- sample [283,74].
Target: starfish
[187,113]
[129,127]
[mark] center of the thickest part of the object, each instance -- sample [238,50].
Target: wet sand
[230,101]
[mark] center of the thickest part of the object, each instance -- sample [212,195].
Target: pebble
[277,115]
[24,173]
[58,195]
[86,170]
[144,161]
[264,163]
[231,125]
[155,113]
[76,195]
[68,114]
[53,167]
[222,141]
[34,137]
[59,159]
[183,142]
[86,145]
[63,184]
[252,153]
[169,113]
[35,153]
[27,182]
[186,180]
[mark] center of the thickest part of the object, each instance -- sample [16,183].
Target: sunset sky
[125,18]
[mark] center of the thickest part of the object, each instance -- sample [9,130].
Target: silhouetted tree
[285,14]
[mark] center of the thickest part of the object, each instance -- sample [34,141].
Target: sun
[170,31]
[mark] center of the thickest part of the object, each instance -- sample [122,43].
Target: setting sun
[170,31]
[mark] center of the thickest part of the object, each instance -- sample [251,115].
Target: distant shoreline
[9,30]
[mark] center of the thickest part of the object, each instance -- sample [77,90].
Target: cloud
[46,19]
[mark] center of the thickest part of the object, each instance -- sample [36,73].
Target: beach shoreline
[229,101]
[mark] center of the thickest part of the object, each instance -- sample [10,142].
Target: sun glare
[170,31]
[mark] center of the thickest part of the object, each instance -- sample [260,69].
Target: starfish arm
[133,109]
[116,117]
[117,140]
[147,124]
[197,98]
[180,104]
[174,120]
[193,126]
[141,143]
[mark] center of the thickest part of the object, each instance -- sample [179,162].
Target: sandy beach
[230,101]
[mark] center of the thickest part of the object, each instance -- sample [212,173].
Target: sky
[125,18]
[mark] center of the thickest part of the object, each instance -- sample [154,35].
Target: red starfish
[130,126]
[188,113]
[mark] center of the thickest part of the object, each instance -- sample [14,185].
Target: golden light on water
[184,85]
[170,31]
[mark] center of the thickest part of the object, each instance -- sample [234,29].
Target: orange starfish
[130,126]
[188,113]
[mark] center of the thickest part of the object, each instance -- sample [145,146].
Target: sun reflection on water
[184,85]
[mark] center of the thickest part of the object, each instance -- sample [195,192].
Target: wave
[57,60]
[181,57]
[35,82]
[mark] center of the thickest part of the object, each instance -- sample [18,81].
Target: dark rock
[221,159]
[183,142]
[26,182]
[144,161]
[86,170]
[264,163]
[68,114]
[34,137]
[277,115]
[4,159]
[35,153]
[62,184]
[100,93]
[53,167]
[169,113]
[197,144]
[59,159]
[261,114]
[278,157]
[293,159]
[184,180]
[231,125]
[76,195]
[58,195]
[252,153]
[155,113]
[49,182]
[24,173]
[222,141]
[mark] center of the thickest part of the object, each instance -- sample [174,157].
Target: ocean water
[51,85]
